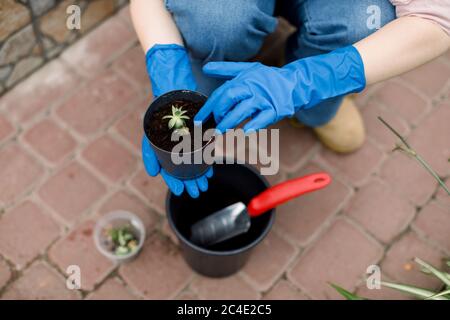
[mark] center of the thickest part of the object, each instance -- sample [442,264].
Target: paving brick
[158,272]
[125,15]
[402,101]
[362,99]
[429,78]
[168,231]
[381,212]
[284,290]
[97,104]
[431,139]
[301,218]
[295,144]
[16,227]
[5,273]
[442,196]
[154,189]
[50,140]
[398,263]
[341,256]
[110,158]
[40,91]
[18,171]
[434,222]
[78,248]
[130,126]
[112,289]
[187,295]
[268,261]
[230,288]
[132,65]
[408,178]
[377,131]
[6,128]
[124,200]
[71,191]
[40,282]
[356,166]
[96,49]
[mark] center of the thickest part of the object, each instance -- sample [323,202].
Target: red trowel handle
[286,191]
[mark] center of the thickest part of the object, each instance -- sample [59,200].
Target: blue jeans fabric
[234,30]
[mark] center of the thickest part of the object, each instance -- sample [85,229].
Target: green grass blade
[438,274]
[440,294]
[346,294]
[418,292]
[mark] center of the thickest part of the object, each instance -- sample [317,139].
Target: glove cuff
[169,68]
[352,66]
[326,76]
[162,47]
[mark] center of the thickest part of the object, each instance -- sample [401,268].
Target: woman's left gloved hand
[268,94]
[169,68]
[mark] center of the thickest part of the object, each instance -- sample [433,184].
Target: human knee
[332,24]
[223,30]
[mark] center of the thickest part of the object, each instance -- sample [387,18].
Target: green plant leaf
[121,250]
[346,294]
[440,294]
[172,123]
[418,292]
[438,274]
[122,240]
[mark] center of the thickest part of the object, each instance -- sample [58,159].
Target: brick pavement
[69,152]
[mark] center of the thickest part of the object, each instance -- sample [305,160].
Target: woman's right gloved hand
[169,68]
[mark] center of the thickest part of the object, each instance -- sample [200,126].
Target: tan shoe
[345,133]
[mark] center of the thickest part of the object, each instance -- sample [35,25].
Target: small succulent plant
[122,240]
[177,120]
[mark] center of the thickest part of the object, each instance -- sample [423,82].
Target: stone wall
[33,32]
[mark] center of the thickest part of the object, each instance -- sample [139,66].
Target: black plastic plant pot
[184,170]
[231,183]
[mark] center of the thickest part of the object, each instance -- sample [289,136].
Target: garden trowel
[236,218]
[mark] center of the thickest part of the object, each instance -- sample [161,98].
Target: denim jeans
[234,30]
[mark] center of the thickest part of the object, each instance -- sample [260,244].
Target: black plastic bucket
[231,183]
[184,170]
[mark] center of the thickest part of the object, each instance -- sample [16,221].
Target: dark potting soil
[158,129]
[226,187]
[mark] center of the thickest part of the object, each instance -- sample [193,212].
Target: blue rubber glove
[269,94]
[169,68]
